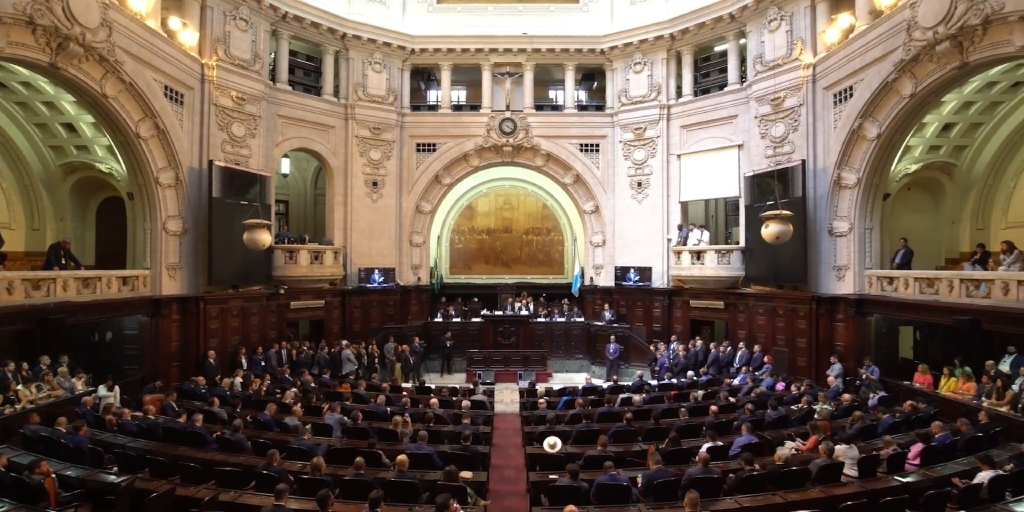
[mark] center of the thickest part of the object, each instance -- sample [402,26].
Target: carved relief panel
[640,85]
[777,45]
[639,146]
[778,118]
[238,43]
[374,83]
[376,144]
[238,119]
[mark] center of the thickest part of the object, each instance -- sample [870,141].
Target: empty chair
[233,478]
[829,473]
[665,490]
[679,456]
[608,417]
[374,458]
[562,495]
[894,504]
[753,483]
[965,498]
[211,503]
[612,493]
[708,486]
[265,482]
[555,462]
[354,489]
[171,434]
[387,435]
[976,443]
[296,453]
[584,437]
[308,486]
[406,492]
[321,429]
[340,455]
[260,447]
[462,460]
[935,501]
[456,490]
[794,478]
[625,436]
[719,453]
[160,502]
[867,465]
[854,506]
[192,474]
[595,462]
[161,469]
[929,456]
[129,462]
[998,487]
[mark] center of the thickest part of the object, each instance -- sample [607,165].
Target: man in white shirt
[988,470]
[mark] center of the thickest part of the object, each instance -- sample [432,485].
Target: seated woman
[452,475]
[889,447]
[1002,397]
[966,387]
[767,368]
[959,367]
[948,381]
[923,378]
[316,470]
[27,395]
[847,453]
[924,438]
[812,442]
[1010,258]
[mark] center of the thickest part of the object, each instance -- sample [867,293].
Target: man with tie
[613,352]
[283,358]
[632,277]
[59,254]
[211,368]
[903,258]
[575,314]
[714,364]
[390,357]
[756,359]
[447,351]
[742,357]
[608,316]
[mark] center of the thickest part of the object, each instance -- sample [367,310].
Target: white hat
[552,444]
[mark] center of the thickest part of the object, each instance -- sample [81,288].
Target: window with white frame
[557,95]
[458,95]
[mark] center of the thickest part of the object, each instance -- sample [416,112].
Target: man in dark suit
[421,446]
[645,482]
[272,466]
[33,431]
[742,358]
[747,464]
[59,254]
[602,447]
[608,315]
[196,425]
[610,476]
[714,364]
[756,359]
[125,425]
[168,407]
[638,383]
[280,500]
[79,443]
[572,477]
[447,351]
[626,425]
[903,257]
[702,468]
[149,424]
[211,368]
[467,447]
[267,417]
[575,314]
[416,351]
[612,351]
[305,440]
[236,441]
[86,413]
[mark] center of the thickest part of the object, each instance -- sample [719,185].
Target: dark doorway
[307,330]
[111,234]
[708,330]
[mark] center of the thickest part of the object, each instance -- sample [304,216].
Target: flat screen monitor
[377,277]
[633,276]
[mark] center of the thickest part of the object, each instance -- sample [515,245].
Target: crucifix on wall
[508,76]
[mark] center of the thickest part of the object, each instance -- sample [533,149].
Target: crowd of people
[25,386]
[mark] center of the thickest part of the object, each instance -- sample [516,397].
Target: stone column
[281,59]
[570,86]
[735,60]
[406,87]
[343,75]
[864,11]
[487,87]
[609,87]
[686,55]
[446,87]
[822,19]
[528,68]
[192,13]
[671,79]
[330,55]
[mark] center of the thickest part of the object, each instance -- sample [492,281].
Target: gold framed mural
[507,232]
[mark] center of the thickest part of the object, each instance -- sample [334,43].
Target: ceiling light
[138,7]
[721,47]
[286,166]
[845,20]
[174,23]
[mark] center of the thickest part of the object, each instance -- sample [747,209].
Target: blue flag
[577,269]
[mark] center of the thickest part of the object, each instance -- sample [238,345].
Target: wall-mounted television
[377,277]
[633,276]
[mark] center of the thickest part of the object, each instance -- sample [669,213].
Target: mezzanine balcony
[308,266]
[712,266]
[1003,288]
[21,287]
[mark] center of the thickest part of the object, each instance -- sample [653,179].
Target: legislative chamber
[511,255]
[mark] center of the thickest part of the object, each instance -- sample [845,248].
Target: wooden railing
[710,266]
[980,286]
[308,266]
[55,286]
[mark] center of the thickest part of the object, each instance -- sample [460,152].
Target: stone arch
[928,68]
[573,173]
[72,42]
[329,166]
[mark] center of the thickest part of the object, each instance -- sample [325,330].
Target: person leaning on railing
[1010,258]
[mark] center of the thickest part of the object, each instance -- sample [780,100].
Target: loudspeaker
[529,375]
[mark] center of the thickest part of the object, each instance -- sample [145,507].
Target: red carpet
[506,486]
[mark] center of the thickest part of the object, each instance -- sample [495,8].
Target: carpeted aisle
[507,485]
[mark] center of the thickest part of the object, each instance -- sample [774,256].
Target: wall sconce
[884,6]
[181,30]
[286,166]
[840,29]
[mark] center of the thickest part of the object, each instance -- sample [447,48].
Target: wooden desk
[952,408]
[10,425]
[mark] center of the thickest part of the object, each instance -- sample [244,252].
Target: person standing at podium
[446,353]
[608,316]
[613,352]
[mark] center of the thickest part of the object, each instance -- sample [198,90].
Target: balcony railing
[712,266]
[308,266]
[51,286]
[990,287]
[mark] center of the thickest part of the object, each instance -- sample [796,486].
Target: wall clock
[508,126]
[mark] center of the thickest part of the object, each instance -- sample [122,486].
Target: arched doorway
[300,196]
[64,176]
[111,221]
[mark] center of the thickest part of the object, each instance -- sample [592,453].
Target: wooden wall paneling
[214,327]
[804,352]
[354,315]
[680,318]
[333,328]
[274,325]
[168,357]
[253,315]
[739,325]
[659,317]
